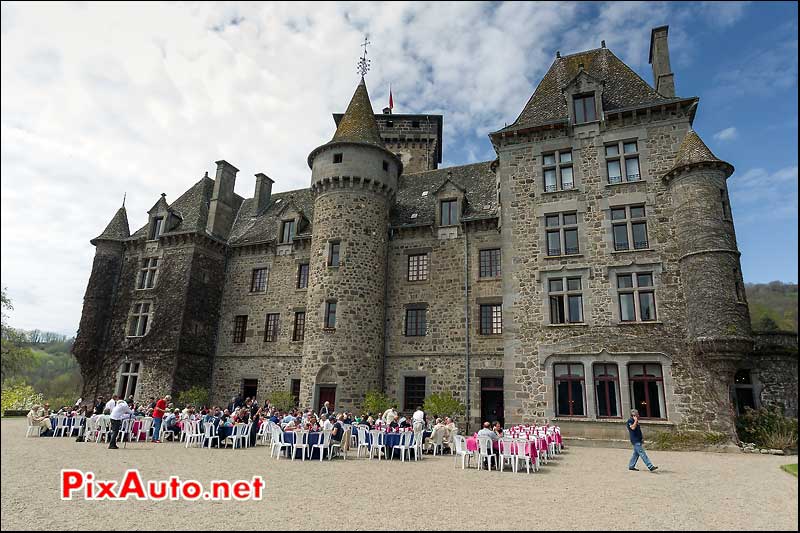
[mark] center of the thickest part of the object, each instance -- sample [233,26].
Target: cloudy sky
[99,100]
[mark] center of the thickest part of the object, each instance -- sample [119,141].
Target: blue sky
[99,100]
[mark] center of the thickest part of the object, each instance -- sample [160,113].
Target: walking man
[635,433]
[158,416]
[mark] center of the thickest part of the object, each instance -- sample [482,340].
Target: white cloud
[756,188]
[99,99]
[728,134]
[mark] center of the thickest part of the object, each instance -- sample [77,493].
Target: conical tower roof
[693,151]
[117,229]
[358,123]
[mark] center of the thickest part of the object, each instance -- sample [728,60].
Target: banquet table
[70,421]
[313,438]
[390,440]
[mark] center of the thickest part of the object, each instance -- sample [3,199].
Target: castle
[590,268]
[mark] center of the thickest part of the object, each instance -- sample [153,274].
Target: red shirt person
[158,415]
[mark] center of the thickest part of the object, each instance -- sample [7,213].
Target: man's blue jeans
[156,427]
[638,451]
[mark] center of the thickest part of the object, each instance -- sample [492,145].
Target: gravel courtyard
[584,488]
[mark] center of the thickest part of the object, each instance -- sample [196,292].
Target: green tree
[19,396]
[376,402]
[196,396]
[13,356]
[443,404]
[283,400]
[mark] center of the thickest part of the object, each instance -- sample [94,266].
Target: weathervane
[363,63]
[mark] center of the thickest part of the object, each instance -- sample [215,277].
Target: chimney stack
[263,191]
[220,210]
[663,78]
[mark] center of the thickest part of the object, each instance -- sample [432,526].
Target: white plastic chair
[340,447]
[33,428]
[363,441]
[278,442]
[102,429]
[163,432]
[404,446]
[301,443]
[460,445]
[90,431]
[145,427]
[237,434]
[61,425]
[435,441]
[125,430]
[248,428]
[485,452]
[264,434]
[192,430]
[77,425]
[209,434]
[520,454]
[323,444]
[377,446]
[506,453]
[418,442]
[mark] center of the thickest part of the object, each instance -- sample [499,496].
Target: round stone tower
[717,317]
[354,180]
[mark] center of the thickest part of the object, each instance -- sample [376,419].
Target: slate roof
[477,179]
[693,151]
[623,88]
[191,208]
[117,229]
[251,229]
[358,123]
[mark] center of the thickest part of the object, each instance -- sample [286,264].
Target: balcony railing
[615,179]
[640,244]
[550,188]
[634,177]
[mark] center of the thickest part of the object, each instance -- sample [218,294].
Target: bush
[196,396]
[376,402]
[443,404]
[766,427]
[283,400]
[683,440]
[19,396]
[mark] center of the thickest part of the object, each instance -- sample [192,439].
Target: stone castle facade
[592,267]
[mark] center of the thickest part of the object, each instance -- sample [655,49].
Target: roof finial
[363,63]
[124,196]
[558,53]
[603,43]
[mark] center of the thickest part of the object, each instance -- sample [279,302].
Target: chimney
[220,210]
[663,78]
[263,191]
[387,111]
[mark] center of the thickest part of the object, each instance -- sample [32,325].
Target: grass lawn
[792,469]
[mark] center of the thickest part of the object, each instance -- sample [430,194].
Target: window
[258,283]
[139,323]
[418,267]
[239,328]
[629,225]
[147,274]
[302,276]
[569,389]
[416,323]
[296,391]
[271,327]
[562,234]
[156,227]
[414,394]
[489,263]
[726,207]
[334,249]
[584,108]
[606,386]
[636,297]
[491,319]
[647,389]
[330,315]
[287,231]
[743,389]
[449,212]
[386,166]
[299,326]
[622,162]
[566,300]
[128,379]
[337,158]
[390,124]
[557,171]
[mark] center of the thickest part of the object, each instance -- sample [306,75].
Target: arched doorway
[325,387]
[743,394]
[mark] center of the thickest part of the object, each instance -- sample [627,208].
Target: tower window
[584,108]
[337,158]
[333,254]
[386,166]
[330,315]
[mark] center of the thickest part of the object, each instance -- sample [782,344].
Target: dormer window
[337,158]
[156,227]
[287,231]
[449,210]
[584,108]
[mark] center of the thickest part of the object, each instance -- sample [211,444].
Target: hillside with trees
[773,306]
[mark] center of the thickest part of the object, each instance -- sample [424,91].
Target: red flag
[391,102]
